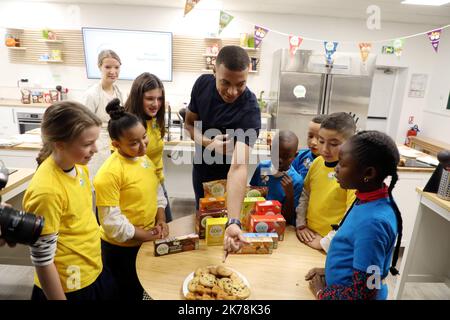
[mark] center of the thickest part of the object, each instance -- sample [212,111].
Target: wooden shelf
[50,41]
[208,70]
[250,49]
[213,38]
[17,48]
[209,55]
[51,61]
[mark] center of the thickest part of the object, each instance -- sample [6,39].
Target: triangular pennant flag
[294,44]
[260,33]
[330,49]
[398,46]
[435,37]
[225,19]
[190,4]
[364,50]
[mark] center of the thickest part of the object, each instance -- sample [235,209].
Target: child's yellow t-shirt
[132,185]
[155,147]
[328,202]
[66,204]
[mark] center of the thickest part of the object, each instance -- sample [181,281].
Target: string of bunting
[260,32]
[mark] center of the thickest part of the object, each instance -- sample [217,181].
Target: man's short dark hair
[234,58]
[341,122]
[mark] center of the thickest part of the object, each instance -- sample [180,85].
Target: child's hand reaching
[304,234]
[316,278]
[288,186]
[164,228]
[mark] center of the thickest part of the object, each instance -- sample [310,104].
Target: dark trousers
[122,263]
[103,288]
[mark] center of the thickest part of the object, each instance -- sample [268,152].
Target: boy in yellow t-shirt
[130,200]
[323,202]
[67,255]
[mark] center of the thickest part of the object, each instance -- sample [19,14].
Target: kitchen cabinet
[9,125]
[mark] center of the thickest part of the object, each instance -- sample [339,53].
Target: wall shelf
[50,41]
[17,48]
[209,55]
[51,61]
[250,49]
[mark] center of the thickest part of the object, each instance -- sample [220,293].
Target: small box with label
[268,207]
[176,244]
[257,245]
[248,208]
[212,204]
[201,217]
[268,224]
[215,230]
[272,235]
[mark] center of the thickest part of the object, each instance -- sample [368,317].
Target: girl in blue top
[360,253]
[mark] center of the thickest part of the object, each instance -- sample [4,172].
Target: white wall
[418,56]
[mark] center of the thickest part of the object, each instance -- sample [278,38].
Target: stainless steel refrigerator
[304,86]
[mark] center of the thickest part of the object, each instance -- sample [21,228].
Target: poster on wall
[418,85]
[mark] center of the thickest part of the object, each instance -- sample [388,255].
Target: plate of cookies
[216,283]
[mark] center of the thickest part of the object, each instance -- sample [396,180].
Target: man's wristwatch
[233,221]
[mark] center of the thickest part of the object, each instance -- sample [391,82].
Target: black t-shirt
[219,116]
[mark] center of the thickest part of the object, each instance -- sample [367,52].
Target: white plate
[191,276]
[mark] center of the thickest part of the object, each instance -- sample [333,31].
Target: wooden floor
[16,282]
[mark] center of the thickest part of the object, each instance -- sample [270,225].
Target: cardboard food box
[215,230]
[201,217]
[256,191]
[212,204]
[176,244]
[257,245]
[248,208]
[216,188]
[268,207]
[272,235]
[268,224]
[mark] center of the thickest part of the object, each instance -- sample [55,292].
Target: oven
[28,121]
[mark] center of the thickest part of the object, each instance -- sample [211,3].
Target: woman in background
[98,96]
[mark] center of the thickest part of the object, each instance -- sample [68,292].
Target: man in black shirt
[224,119]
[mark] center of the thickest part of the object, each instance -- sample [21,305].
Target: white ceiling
[391,10]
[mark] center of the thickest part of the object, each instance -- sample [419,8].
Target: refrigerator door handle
[328,93]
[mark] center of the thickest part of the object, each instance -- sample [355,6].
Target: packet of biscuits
[216,283]
[176,244]
[202,217]
[257,245]
[212,204]
[215,189]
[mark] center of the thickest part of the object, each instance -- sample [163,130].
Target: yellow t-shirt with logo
[155,147]
[66,204]
[132,185]
[328,202]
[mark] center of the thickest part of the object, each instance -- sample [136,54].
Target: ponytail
[44,153]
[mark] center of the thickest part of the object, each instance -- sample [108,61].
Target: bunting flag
[364,50]
[330,49]
[260,33]
[398,46]
[224,20]
[294,44]
[435,37]
[190,4]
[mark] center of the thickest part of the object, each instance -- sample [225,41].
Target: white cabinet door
[8,122]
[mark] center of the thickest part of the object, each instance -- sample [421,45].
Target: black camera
[17,226]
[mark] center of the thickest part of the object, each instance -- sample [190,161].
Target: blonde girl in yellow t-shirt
[147,101]
[130,200]
[67,256]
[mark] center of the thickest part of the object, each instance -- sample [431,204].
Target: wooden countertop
[280,275]
[17,178]
[18,103]
[431,145]
[434,198]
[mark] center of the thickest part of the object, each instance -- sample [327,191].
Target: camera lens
[19,226]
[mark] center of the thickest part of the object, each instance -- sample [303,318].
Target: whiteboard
[139,51]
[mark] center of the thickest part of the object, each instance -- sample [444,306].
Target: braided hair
[376,149]
[120,119]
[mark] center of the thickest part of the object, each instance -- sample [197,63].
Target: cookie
[226,284]
[200,271]
[213,270]
[207,280]
[223,271]
[193,284]
[241,292]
